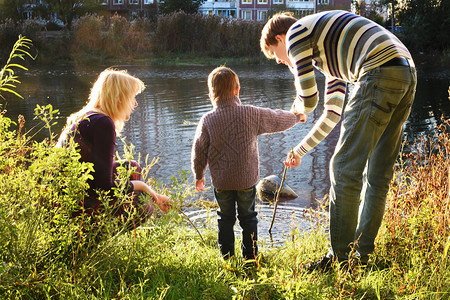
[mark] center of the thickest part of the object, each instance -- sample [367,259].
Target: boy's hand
[292,160]
[295,110]
[303,117]
[200,184]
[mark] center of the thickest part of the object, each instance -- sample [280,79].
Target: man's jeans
[362,165]
[245,200]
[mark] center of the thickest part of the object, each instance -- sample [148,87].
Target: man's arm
[300,54]
[334,102]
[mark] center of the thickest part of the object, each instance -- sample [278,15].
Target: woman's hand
[163,202]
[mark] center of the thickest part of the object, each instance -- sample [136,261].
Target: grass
[46,253]
[167,259]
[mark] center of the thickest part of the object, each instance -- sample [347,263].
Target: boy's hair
[222,83]
[112,94]
[278,24]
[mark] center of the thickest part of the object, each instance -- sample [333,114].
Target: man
[348,48]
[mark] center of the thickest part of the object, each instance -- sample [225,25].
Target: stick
[278,198]
[192,224]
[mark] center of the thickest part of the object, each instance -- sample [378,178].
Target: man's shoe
[323,264]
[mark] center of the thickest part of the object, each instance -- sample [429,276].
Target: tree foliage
[426,24]
[14,9]
[68,10]
[187,6]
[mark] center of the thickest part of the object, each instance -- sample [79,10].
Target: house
[244,9]
[262,9]
[130,8]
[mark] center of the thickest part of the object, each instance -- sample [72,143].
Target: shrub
[88,36]
[180,33]
[415,239]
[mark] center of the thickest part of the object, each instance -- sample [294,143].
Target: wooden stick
[277,197]
[192,224]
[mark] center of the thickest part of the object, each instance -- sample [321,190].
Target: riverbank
[46,254]
[170,41]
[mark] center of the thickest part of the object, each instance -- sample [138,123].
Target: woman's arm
[162,201]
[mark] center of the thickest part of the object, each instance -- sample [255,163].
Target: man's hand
[200,184]
[292,160]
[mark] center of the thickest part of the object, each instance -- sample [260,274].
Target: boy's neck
[223,102]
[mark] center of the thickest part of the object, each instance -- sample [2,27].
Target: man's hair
[222,83]
[278,24]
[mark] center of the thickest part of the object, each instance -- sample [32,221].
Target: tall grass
[206,35]
[98,38]
[47,251]
[44,253]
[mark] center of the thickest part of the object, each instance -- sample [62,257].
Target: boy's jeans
[245,200]
[362,165]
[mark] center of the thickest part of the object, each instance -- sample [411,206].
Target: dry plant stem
[277,198]
[192,225]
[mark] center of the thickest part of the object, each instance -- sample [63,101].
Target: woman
[95,127]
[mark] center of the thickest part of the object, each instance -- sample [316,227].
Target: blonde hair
[222,83]
[278,24]
[112,95]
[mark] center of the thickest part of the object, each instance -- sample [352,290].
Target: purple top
[96,138]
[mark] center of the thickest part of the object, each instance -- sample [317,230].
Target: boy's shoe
[323,264]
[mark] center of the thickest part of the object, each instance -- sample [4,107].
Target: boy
[348,48]
[226,140]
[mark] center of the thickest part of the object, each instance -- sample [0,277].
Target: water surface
[164,123]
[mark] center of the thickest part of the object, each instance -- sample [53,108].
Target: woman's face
[133,105]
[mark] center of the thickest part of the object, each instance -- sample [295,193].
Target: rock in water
[268,186]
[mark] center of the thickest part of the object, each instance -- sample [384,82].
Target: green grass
[166,258]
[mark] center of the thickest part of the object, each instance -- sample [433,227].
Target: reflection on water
[176,97]
[288,220]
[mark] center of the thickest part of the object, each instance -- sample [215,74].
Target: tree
[68,10]
[188,6]
[391,6]
[425,24]
[13,9]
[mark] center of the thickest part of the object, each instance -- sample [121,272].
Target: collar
[234,101]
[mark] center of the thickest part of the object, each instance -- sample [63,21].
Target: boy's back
[226,140]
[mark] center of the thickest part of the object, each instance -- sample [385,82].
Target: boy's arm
[199,154]
[271,121]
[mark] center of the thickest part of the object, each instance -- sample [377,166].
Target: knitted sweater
[226,140]
[343,46]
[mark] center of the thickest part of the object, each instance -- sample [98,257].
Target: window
[262,15]
[246,1]
[117,2]
[133,1]
[148,1]
[262,1]
[323,2]
[277,1]
[247,14]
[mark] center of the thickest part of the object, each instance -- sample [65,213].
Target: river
[164,123]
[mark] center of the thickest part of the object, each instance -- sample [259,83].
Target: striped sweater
[343,46]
